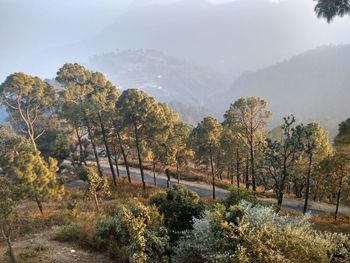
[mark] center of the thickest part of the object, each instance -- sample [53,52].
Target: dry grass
[328,223]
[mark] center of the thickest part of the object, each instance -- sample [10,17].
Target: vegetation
[92,120]
[330,9]
[180,208]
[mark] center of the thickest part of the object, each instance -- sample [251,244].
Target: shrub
[135,232]
[197,245]
[180,207]
[237,194]
[255,233]
[80,232]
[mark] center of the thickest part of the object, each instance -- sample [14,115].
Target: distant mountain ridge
[230,38]
[163,77]
[315,86]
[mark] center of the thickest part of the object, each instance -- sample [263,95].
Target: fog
[218,38]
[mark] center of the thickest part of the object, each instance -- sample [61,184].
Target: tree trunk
[307,184]
[237,169]
[252,162]
[7,237]
[124,157]
[279,200]
[247,174]
[94,147]
[12,254]
[338,198]
[40,205]
[212,170]
[137,140]
[82,154]
[154,172]
[168,177]
[96,202]
[104,138]
[178,172]
[116,162]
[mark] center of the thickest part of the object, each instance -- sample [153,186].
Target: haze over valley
[192,54]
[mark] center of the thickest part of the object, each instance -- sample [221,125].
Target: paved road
[205,190]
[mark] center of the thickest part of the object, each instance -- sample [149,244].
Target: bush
[197,245]
[79,232]
[134,233]
[255,233]
[237,194]
[180,207]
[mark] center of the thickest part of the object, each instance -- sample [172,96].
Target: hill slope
[314,85]
[166,78]
[231,38]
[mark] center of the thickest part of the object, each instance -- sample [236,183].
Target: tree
[97,186]
[57,139]
[36,177]
[136,109]
[233,145]
[183,151]
[26,98]
[337,169]
[251,114]
[103,99]
[281,157]
[11,146]
[205,142]
[342,140]
[316,148]
[70,112]
[75,98]
[329,9]
[8,203]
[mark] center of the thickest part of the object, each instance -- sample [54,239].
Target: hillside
[187,87]
[314,85]
[215,37]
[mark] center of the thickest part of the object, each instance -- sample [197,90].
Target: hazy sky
[29,28]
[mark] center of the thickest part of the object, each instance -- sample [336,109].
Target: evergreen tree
[205,143]
[251,115]
[329,9]
[26,99]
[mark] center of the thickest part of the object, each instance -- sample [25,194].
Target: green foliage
[180,208]
[281,157]
[98,186]
[27,98]
[136,231]
[329,9]
[197,245]
[56,140]
[247,233]
[11,146]
[342,140]
[206,138]
[36,177]
[8,201]
[236,195]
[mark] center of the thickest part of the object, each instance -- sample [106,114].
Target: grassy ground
[68,225]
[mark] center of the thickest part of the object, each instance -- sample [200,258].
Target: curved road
[205,190]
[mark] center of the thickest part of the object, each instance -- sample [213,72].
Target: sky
[31,28]
[38,36]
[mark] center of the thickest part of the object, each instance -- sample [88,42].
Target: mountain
[315,86]
[231,37]
[163,77]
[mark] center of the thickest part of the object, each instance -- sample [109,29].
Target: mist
[219,41]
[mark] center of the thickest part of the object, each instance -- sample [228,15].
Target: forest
[60,135]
